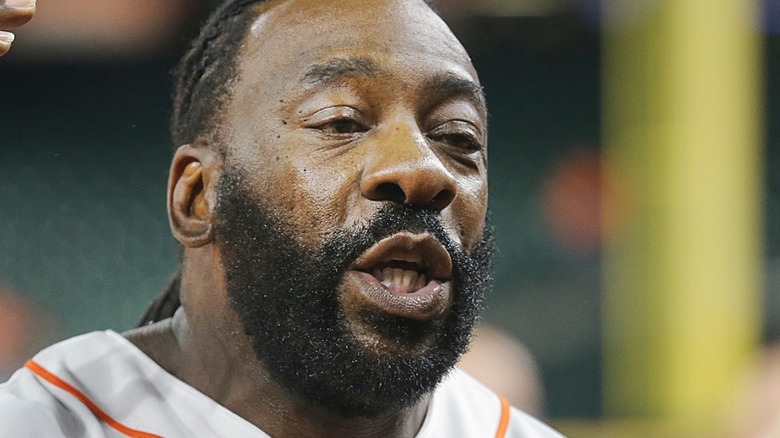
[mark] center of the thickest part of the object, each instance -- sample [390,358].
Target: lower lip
[427,303]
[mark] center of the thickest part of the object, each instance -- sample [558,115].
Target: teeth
[398,275]
[408,277]
[387,276]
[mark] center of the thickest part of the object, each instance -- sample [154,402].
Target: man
[330,196]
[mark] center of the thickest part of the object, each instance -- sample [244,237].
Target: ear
[192,195]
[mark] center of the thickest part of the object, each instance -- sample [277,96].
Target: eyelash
[334,124]
[459,141]
[445,133]
[456,137]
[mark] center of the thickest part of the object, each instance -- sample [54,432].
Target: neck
[208,350]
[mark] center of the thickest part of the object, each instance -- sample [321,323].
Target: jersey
[101,385]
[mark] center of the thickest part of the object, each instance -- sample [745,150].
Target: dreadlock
[164,305]
[204,73]
[202,80]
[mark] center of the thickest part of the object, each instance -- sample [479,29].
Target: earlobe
[190,195]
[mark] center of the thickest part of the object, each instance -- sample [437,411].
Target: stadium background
[84,151]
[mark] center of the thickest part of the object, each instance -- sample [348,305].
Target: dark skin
[340,107]
[13,14]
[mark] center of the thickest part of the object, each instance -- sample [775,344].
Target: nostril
[442,199]
[390,192]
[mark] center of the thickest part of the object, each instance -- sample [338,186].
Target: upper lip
[424,250]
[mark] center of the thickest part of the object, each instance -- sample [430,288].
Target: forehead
[401,36]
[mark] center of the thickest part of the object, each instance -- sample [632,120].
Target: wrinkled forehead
[290,35]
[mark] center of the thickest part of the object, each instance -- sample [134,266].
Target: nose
[403,168]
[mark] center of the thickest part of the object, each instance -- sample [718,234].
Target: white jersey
[101,385]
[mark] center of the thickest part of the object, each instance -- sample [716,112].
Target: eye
[458,134]
[460,141]
[337,121]
[342,126]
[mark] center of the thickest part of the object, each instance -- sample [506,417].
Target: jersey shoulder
[99,385]
[27,409]
[42,399]
[523,425]
[463,407]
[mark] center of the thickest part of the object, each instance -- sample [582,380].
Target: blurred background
[634,188]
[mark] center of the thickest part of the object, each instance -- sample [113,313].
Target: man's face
[356,173]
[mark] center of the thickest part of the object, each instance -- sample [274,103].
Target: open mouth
[401,277]
[407,263]
[406,275]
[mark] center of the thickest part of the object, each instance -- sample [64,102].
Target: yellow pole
[682,139]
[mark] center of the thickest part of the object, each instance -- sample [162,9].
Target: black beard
[287,298]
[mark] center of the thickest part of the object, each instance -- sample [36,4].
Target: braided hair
[202,80]
[205,71]
[164,305]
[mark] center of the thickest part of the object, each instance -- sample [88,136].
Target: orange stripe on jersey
[56,381]
[503,424]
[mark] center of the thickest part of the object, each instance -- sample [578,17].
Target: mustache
[395,218]
[392,219]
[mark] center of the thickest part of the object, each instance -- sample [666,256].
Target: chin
[386,337]
[388,326]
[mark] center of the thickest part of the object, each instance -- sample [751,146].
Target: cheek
[317,196]
[309,191]
[469,209]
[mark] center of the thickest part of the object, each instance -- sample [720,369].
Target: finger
[14,13]
[6,38]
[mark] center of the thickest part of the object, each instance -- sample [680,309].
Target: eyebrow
[334,69]
[443,84]
[450,84]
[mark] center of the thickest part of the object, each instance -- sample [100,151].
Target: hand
[13,13]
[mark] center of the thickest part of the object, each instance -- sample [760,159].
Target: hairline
[209,129]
